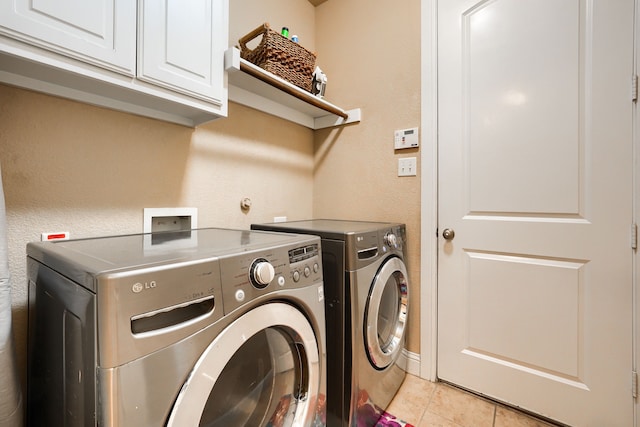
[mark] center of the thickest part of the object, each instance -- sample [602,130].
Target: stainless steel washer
[208,327]
[367,298]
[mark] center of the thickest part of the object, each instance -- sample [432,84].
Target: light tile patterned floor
[426,404]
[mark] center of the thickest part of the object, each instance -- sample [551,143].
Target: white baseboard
[411,361]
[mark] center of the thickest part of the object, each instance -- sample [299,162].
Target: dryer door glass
[386,313]
[262,370]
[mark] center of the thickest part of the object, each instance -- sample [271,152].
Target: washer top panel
[78,258]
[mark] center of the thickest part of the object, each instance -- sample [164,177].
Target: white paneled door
[535,204]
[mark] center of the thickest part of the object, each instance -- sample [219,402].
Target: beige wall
[370,52]
[91,171]
[68,166]
[297,15]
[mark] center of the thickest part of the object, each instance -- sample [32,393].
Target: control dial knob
[261,273]
[391,239]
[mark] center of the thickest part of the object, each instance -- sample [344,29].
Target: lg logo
[139,286]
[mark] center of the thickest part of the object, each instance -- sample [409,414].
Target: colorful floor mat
[388,420]
[367,413]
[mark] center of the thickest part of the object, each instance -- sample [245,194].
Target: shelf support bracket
[232,60]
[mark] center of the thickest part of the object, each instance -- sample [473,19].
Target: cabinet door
[181,46]
[100,32]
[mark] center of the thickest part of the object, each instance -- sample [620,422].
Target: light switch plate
[407,166]
[406,138]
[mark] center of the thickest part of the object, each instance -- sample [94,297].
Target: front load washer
[366,296]
[209,327]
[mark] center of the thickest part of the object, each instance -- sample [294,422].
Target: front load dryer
[366,296]
[209,327]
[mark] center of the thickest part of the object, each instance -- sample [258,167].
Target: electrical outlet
[407,166]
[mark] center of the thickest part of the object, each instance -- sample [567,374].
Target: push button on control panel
[303,262]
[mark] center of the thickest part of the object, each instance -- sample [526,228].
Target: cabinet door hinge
[634,236]
[634,88]
[634,384]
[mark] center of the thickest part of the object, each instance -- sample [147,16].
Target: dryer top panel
[328,228]
[78,258]
[364,241]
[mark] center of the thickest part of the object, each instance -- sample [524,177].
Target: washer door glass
[262,370]
[259,384]
[386,313]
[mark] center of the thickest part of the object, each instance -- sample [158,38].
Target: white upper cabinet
[156,58]
[100,32]
[179,46]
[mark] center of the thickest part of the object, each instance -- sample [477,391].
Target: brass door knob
[448,234]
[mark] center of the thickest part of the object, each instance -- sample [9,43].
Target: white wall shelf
[254,87]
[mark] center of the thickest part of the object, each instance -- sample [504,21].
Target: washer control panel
[252,275]
[304,261]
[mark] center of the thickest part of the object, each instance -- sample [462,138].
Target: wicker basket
[280,56]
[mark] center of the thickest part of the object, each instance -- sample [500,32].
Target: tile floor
[426,404]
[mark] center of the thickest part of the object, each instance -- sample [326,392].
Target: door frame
[636,208]
[429,197]
[429,190]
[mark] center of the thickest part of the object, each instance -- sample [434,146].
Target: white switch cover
[407,166]
[406,138]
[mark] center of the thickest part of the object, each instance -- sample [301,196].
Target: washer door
[263,369]
[386,313]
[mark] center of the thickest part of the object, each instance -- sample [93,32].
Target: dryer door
[386,313]
[263,369]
